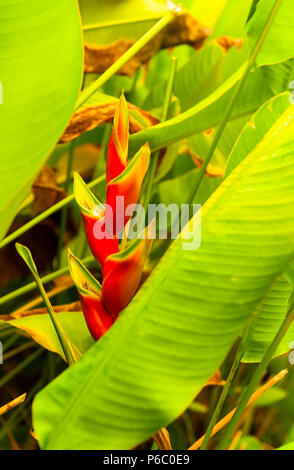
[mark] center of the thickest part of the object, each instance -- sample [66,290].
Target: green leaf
[256,129]
[199,144]
[249,443]
[40,71]
[41,329]
[70,352]
[225,17]
[232,20]
[176,190]
[108,20]
[279,76]
[272,396]
[279,41]
[289,446]
[206,114]
[177,330]
[269,316]
[205,70]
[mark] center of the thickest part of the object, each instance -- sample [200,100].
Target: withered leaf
[101,108]
[46,191]
[227,42]
[184,29]
[72,307]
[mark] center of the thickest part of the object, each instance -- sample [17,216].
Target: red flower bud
[98,319]
[118,145]
[128,185]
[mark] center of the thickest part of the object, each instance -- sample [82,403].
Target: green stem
[18,350]
[106,138]
[45,280]
[65,208]
[46,214]
[233,100]
[259,371]
[166,104]
[223,395]
[116,66]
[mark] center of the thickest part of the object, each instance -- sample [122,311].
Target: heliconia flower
[117,155]
[93,219]
[122,272]
[97,317]
[128,186]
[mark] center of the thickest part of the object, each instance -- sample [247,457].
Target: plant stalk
[36,220]
[65,208]
[45,280]
[223,395]
[259,371]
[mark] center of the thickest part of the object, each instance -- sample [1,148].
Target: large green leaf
[177,330]
[208,113]
[256,129]
[279,41]
[104,21]
[40,71]
[224,17]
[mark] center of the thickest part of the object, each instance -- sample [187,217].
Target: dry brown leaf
[72,307]
[227,42]
[46,191]
[89,117]
[216,379]
[185,29]
[211,170]
[12,404]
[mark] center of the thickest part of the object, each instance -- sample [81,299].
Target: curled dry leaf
[215,379]
[101,108]
[46,191]
[72,307]
[185,29]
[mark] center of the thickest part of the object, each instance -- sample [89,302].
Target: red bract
[98,319]
[117,155]
[122,270]
[122,274]
[126,186]
[94,223]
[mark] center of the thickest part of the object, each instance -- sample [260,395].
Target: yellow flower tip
[85,283]
[85,199]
